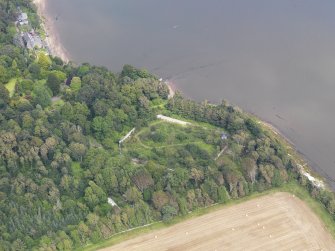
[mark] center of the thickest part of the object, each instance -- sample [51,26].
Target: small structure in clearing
[172,120]
[22,18]
[112,202]
[125,137]
[224,136]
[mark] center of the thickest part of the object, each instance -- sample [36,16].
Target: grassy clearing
[162,142]
[11,86]
[292,187]
[162,134]
[76,169]
[58,103]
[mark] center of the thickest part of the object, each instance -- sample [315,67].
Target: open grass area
[76,169]
[11,86]
[173,146]
[165,134]
[291,187]
[169,136]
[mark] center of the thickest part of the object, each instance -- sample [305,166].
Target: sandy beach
[52,39]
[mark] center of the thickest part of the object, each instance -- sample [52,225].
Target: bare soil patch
[278,221]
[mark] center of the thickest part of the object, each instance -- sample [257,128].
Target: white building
[172,120]
[23,19]
[111,202]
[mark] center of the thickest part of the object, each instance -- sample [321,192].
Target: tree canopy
[61,164]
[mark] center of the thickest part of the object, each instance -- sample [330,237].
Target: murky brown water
[273,58]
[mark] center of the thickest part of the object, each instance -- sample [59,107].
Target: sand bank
[52,39]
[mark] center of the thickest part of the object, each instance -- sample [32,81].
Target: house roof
[24,22]
[224,136]
[32,41]
[111,202]
[23,16]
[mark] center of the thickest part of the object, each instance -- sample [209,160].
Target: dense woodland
[60,159]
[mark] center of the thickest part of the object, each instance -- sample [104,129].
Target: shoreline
[317,176]
[52,40]
[172,88]
[57,49]
[305,169]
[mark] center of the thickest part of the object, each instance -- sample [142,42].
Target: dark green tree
[41,95]
[4,96]
[53,83]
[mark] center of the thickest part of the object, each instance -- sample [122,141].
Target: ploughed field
[278,221]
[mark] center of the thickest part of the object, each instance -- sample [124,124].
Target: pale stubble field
[278,221]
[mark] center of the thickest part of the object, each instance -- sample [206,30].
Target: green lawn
[11,86]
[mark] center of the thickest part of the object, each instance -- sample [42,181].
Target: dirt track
[273,222]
